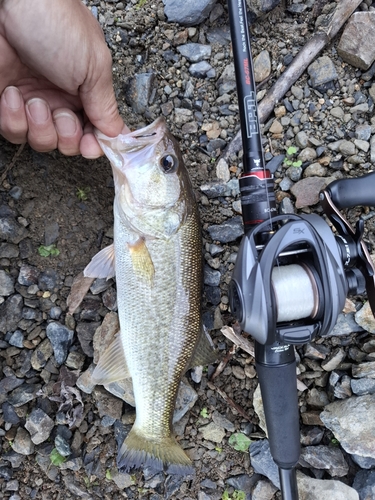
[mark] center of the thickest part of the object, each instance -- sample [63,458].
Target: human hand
[55,77]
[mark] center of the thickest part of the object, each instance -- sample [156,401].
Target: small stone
[262,66]
[222,170]
[352,48]
[365,318]
[195,52]
[28,275]
[228,231]
[321,71]
[262,461]
[334,360]
[276,127]
[51,233]
[200,69]
[62,446]
[107,404]
[61,339]
[40,425]
[212,432]
[22,443]
[41,354]
[6,284]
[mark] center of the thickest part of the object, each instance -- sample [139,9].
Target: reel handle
[346,193]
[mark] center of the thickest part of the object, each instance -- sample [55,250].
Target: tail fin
[166,454]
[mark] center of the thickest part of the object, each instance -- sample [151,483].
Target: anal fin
[112,364]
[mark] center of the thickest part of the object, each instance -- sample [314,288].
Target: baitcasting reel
[292,288]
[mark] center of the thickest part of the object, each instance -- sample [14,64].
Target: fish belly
[160,325]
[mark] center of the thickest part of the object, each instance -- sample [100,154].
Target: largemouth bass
[156,258]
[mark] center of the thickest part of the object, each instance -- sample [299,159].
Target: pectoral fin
[205,352]
[102,265]
[112,364]
[141,259]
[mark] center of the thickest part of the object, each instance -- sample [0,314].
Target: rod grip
[278,385]
[346,193]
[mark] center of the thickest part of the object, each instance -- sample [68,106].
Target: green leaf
[56,458]
[108,474]
[297,163]
[225,495]
[204,413]
[239,495]
[46,251]
[239,442]
[292,150]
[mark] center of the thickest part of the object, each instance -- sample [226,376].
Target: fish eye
[168,163]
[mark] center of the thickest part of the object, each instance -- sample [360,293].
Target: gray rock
[259,7]
[9,414]
[211,276]
[345,325]
[263,490]
[321,71]
[302,139]
[100,285]
[364,483]
[307,190]
[364,370]
[17,339]
[41,354]
[352,47]
[262,66]
[85,332]
[262,461]
[10,383]
[62,446]
[51,233]
[212,432]
[314,489]
[48,280]
[61,339]
[6,284]
[11,231]
[188,13]
[363,132]
[39,425]
[222,421]
[365,318]
[230,230]
[364,462]
[28,275]
[11,313]
[138,91]
[186,398]
[195,52]
[22,443]
[334,360]
[200,69]
[348,420]
[363,386]
[8,251]
[23,394]
[326,458]
[107,404]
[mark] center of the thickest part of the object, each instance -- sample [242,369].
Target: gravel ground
[59,435]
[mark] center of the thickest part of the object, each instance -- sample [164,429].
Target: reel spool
[296,290]
[295,287]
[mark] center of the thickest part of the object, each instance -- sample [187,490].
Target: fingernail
[13,98]
[66,125]
[38,110]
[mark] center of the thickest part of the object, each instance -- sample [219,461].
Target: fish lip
[149,135]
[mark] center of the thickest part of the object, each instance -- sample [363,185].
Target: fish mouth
[136,140]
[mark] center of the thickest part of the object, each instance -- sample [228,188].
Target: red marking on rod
[246,71]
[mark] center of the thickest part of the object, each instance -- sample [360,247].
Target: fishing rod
[292,275]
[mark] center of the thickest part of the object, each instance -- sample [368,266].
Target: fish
[156,259]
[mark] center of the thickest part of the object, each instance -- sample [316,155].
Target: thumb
[99,102]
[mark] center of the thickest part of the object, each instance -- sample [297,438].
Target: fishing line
[296,292]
